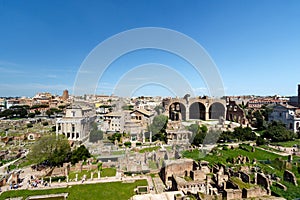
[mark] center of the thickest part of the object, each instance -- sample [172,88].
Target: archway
[216,110]
[177,111]
[197,111]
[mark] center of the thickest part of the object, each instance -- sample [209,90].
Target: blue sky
[255,44]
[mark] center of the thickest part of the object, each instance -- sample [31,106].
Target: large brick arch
[194,108]
[216,110]
[197,110]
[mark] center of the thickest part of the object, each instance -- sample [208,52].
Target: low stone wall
[262,180]
[232,194]
[48,196]
[281,186]
[254,192]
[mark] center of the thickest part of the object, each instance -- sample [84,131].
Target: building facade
[287,114]
[76,124]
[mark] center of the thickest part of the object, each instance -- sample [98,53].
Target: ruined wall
[262,180]
[197,175]
[290,177]
[180,167]
[232,194]
[245,177]
[254,192]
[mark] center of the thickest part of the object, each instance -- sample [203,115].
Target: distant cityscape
[186,147]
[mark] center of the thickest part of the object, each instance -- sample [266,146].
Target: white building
[76,124]
[287,114]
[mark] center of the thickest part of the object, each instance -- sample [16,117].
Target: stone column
[255,178]
[76,177]
[150,138]
[57,124]
[187,112]
[144,137]
[98,174]
[92,175]
[206,113]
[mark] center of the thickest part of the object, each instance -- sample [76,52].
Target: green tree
[37,112]
[266,111]
[81,153]
[260,141]
[277,132]
[8,113]
[50,148]
[45,123]
[127,107]
[199,133]
[49,112]
[31,115]
[159,109]
[194,128]
[115,136]
[259,123]
[95,134]
[239,133]
[203,128]
[62,107]
[158,127]
[29,125]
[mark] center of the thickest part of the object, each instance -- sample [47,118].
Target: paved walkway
[288,150]
[275,152]
[159,185]
[65,184]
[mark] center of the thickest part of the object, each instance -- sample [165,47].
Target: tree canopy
[199,133]
[277,132]
[50,148]
[81,153]
[95,133]
[158,127]
[239,133]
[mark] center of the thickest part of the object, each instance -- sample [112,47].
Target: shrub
[55,179]
[31,115]
[127,144]
[45,123]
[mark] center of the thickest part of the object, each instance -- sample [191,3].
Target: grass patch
[108,172]
[24,163]
[220,156]
[149,149]
[118,152]
[195,154]
[240,183]
[110,190]
[187,178]
[72,175]
[153,175]
[292,192]
[152,164]
[270,148]
[288,143]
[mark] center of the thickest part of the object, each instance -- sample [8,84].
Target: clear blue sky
[254,43]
